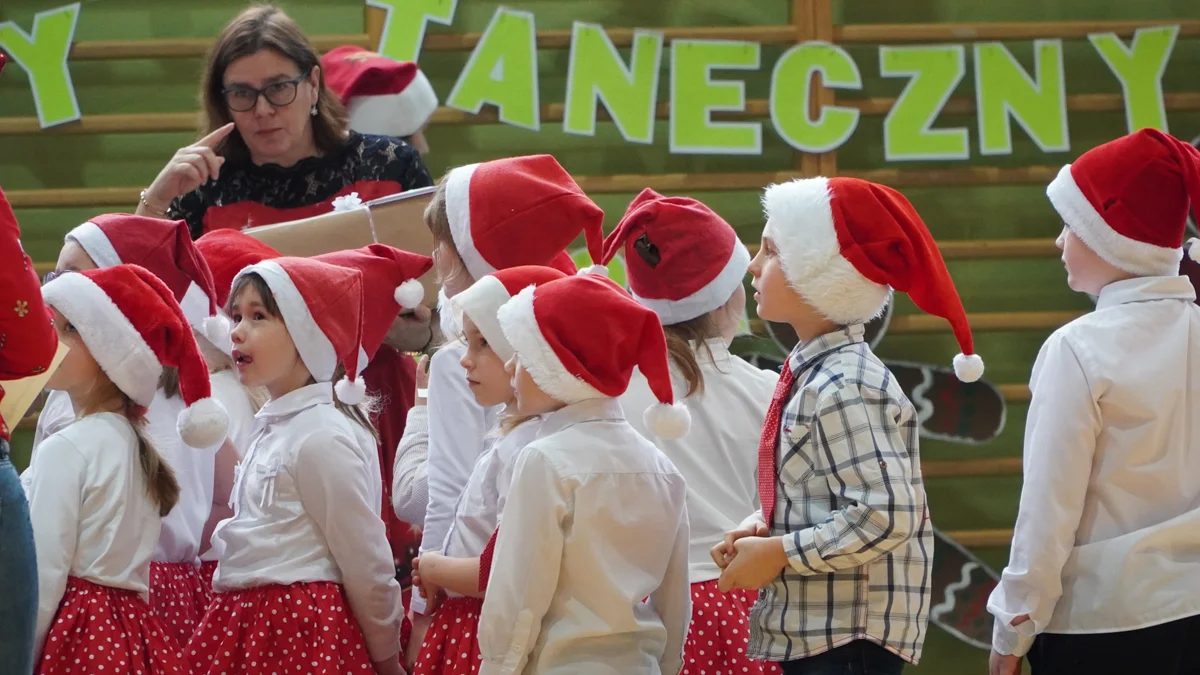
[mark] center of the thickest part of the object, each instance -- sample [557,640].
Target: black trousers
[860,657]
[1167,649]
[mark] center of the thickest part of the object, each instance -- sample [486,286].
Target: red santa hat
[382,96]
[581,337]
[482,301]
[518,211]
[390,284]
[227,252]
[682,260]
[1127,200]
[322,305]
[164,247]
[846,243]
[133,326]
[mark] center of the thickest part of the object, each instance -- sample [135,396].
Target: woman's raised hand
[191,167]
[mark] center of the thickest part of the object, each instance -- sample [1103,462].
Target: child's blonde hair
[161,484]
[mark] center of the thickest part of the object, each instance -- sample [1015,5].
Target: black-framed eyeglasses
[243,98]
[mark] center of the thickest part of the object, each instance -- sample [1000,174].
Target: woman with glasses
[27,345]
[278,146]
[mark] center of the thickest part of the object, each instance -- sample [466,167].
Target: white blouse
[719,456]
[1108,536]
[227,389]
[194,468]
[482,504]
[92,517]
[304,511]
[594,524]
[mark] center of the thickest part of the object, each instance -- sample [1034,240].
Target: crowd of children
[208,497]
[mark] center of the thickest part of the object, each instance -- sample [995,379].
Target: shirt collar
[1143,289]
[584,411]
[294,401]
[807,352]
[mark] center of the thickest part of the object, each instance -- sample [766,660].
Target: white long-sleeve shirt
[227,389]
[92,517]
[595,522]
[718,457]
[304,511]
[1108,536]
[410,487]
[194,468]
[481,507]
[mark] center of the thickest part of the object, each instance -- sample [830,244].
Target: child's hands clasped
[755,562]
[723,552]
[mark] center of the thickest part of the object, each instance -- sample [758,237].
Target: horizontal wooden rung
[552,113]
[979,538]
[623,37]
[982,321]
[976,249]
[984,466]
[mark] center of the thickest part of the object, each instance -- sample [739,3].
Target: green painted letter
[503,71]
[404,27]
[907,130]
[1140,69]
[597,73]
[1003,88]
[791,94]
[694,96]
[44,56]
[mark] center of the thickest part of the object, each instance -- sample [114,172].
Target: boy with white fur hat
[842,548]
[1105,559]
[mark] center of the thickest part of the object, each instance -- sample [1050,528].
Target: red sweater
[27,336]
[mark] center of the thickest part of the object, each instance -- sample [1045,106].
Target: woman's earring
[313,112]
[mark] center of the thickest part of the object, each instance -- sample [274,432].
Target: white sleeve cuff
[1012,641]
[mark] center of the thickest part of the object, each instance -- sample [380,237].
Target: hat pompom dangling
[968,367]
[203,424]
[409,294]
[668,420]
[217,330]
[350,392]
[1193,249]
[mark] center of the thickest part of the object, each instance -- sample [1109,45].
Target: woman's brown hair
[267,27]
[361,413]
[161,484]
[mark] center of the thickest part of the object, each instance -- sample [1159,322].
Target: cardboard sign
[19,395]
[396,220]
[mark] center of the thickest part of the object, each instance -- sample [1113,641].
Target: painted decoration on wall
[502,71]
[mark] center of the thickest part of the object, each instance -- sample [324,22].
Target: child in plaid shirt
[843,548]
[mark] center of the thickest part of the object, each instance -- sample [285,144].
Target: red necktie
[769,441]
[485,561]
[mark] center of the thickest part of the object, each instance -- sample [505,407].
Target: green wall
[65,161]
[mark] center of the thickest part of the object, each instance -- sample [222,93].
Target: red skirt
[451,646]
[719,632]
[208,568]
[111,630]
[302,628]
[178,597]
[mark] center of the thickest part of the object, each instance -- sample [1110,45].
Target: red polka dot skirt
[719,632]
[208,569]
[107,630]
[301,629]
[451,645]
[178,597]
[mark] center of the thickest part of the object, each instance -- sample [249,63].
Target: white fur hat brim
[520,326]
[402,114]
[801,225]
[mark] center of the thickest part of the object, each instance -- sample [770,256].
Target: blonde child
[1105,558]
[685,263]
[461,567]
[227,252]
[178,596]
[590,565]
[484,217]
[843,547]
[304,579]
[99,488]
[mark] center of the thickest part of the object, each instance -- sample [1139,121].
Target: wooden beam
[166,48]
[981,538]
[1000,30]
[986,466]
[92,50]
[552,113]
[912,324]
[631,183]
[1015,393]
[975,249]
